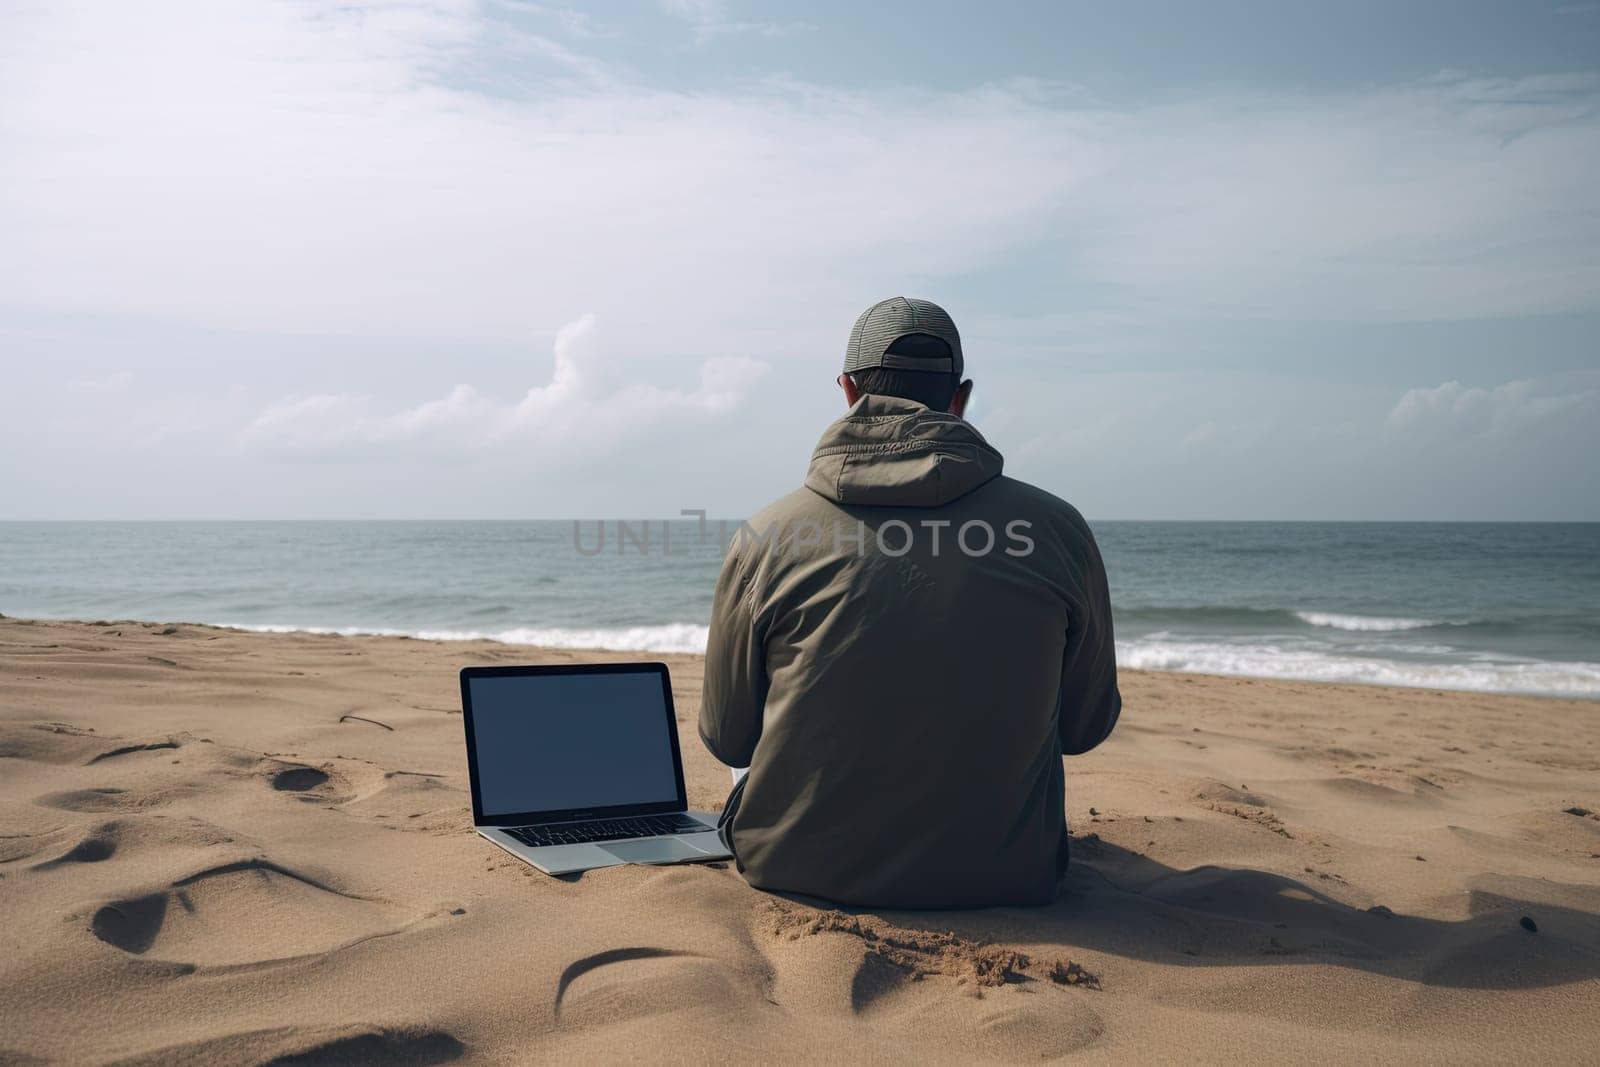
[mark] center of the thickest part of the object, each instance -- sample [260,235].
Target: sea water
[1504,607]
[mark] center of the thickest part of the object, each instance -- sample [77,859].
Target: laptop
[575,767]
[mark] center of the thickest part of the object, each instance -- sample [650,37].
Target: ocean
[1499,607]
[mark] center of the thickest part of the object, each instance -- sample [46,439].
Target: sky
[507,259]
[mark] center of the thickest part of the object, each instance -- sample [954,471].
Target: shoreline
[232,846]
[461,638]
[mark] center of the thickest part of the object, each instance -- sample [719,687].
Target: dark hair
[935,389]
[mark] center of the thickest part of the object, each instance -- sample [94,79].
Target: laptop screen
[549,742]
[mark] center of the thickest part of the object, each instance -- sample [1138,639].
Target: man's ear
[851,393]
[958,403]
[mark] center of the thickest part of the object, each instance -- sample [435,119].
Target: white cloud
[282,195]
[425,168]
[1514,409]
[711,18]
[578,23]
[588,405]
[259,167]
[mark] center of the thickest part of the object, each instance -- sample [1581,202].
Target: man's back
[889,651]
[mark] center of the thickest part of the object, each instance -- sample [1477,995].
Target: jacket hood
[891,452]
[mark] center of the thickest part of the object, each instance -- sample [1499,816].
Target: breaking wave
[1572,679]
[1158,653]
[669,637]
[1368,623]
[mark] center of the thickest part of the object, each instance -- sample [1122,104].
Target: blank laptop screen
[558,742]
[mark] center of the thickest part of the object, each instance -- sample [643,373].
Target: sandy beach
[228,847]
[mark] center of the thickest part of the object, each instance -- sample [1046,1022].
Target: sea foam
[1157,654]
[1272,661]
[670,637]
[1374,623]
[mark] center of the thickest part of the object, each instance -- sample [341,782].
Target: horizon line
[729,518]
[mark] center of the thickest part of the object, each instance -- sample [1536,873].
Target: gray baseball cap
[885,322]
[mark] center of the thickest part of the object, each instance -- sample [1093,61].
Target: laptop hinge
[592,818]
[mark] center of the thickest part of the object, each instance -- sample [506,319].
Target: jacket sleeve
[735,692]
[1089,702]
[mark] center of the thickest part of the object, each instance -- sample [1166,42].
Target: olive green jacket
[901,683]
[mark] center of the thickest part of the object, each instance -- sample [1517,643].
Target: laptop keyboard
[578,833]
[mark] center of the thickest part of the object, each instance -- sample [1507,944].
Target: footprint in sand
[630,983]
[934,991]
[310,784]
[54,846]
[98,846]
[113,799]
[298,779]
[133,924]
[337,781]
[244,914]
[419,1046]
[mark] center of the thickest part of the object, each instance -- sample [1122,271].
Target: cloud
[429,168]
[1516,409]
[1522,449]
[589,405]
[710,18]
[279,196]
[1445,199]
[575,22]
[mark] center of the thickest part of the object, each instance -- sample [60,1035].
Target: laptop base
[569,859]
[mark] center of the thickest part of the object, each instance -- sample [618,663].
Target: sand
[229,847]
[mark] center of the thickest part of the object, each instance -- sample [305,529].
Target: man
[902,651]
